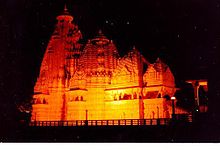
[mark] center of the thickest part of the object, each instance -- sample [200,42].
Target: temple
[91,81]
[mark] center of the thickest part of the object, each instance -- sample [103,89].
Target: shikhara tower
[91,81]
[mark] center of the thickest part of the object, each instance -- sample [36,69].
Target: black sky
[183,33]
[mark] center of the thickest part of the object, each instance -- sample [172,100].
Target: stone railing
[122,122]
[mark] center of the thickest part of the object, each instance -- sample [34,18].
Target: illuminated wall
[92,81]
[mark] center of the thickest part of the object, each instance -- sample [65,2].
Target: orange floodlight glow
[91,81]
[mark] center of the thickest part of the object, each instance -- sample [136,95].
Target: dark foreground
[203,129]
[180,132]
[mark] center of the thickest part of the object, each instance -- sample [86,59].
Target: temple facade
[91,81]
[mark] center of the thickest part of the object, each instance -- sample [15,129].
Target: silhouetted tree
[185,97]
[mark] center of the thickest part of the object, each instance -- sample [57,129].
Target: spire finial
[65,8]
[134,47]
[158,59]
[100,32]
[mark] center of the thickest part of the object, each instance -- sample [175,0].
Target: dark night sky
[178,31]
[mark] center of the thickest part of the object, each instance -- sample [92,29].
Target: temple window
[152,94]
[120,97]
[44,101]
[159,95]
[77,98]
[38,101]
[81,98]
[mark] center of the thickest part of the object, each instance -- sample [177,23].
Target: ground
[199,131]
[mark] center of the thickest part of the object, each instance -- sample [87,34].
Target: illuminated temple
[91,81]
